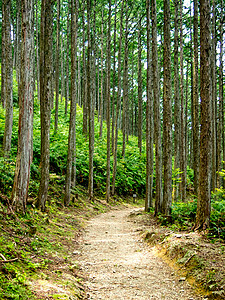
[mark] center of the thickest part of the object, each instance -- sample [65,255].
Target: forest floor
[93,250]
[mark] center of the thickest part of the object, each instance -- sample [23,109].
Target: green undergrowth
[131,170]
[183,217]
[39,249]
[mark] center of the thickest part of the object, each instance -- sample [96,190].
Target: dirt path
[119,266]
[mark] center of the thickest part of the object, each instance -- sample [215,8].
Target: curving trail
[119,266]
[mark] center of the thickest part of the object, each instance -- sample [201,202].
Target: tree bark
[139,87]
[114,81]
[214,97]
[90,100]
[149,120]
[157,120]
[203,207]
[182,117]
[195,106]
[7,97]
[46,96]
[167,113]
[220,135]
[118,106]
[85,110]
[67,62]
[26,94]
[71,155]
[108,103]
[57,68]
[176,105]
[125,85]
[102,78]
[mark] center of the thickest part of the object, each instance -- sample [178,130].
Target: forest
[117,100]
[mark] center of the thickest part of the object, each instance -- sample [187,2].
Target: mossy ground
[39,256]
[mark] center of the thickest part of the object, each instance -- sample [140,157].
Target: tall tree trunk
[62,70]
[220,134]
[214,96]
[71,155]
[37,53]
[85,110]
[108,103]
[139,87]
[8,77]
[18,40]
[176,105]
[157,120]
[118,105]
[114,80]
[203,207]
[182,117]
[45,96]
[57,68]
[91,70]
[102,78]
[26,93]
[67,62]
[167,113]
[149,120]
[195,106]
[125,87]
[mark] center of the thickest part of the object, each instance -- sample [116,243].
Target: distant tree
[26,97]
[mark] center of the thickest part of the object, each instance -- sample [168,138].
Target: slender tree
[214,96]
[7,80]
[182,112]
[108,103]
[102,77]
[71,155]
[149,119]
[139,87]
[195,106]
[157,120]
[220,134]
[176,103]
[167,113]
[26,93]
[203,207]
[84,96]
[118,106]
[91,72]
[125,85]
[46,96]
[57,67]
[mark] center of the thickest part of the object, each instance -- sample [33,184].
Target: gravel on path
[119,265]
